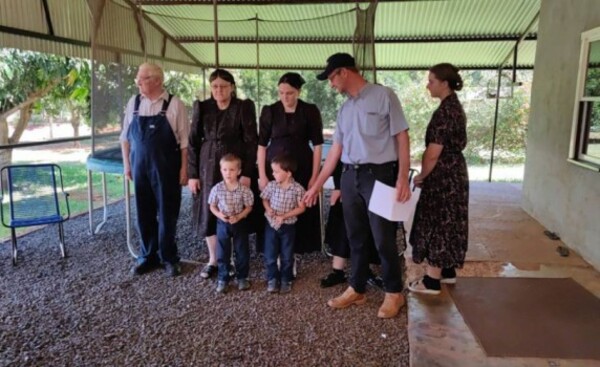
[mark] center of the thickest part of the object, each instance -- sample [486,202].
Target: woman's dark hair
[226,76]
[447,72]
[285,162]
[293,79]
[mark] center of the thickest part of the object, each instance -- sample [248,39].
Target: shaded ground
[89,310]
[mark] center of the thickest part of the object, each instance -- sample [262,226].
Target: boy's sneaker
[448,276]
[221,286]
[272,286]
[243,284]
[208,271]
[286,287]
[333,278]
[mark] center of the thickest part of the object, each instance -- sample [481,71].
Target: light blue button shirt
[367,125]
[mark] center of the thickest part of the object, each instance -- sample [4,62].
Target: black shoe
[173,269]
[145,266]
[448,276]
[208,271]
[375,281]
[333,278]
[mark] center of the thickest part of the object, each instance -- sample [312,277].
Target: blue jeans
[280,243]
[239,233]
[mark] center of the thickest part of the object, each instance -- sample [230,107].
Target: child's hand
[224,218]
[279,219]
[234,219]
[270,212]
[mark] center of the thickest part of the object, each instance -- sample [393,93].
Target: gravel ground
[88,310]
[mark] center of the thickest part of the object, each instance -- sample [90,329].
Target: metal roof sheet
[294,34]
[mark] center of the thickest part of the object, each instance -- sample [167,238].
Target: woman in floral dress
[441,224]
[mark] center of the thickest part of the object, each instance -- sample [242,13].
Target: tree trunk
[50,125]
[5,139]
[24,117]
[75,123]
[5,154]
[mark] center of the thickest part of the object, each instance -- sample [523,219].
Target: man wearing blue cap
[372,141]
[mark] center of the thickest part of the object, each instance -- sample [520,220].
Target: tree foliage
[25,77]
[52,83]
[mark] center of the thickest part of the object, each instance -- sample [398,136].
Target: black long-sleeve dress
[441,226]
[292,134]
[335,233]
[213,134]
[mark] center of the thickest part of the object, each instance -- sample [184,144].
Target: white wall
[563,197]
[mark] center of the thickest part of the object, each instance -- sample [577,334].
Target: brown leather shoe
[392,303]
[348,298]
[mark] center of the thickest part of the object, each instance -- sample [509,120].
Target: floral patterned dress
[441,224]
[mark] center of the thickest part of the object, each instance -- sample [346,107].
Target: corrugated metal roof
[408,34]
[398,28]
[24,25]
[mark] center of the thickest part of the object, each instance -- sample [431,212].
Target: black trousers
[357,185]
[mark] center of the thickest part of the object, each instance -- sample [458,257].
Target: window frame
[582,104]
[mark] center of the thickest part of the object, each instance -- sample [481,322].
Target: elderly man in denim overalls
[154,143]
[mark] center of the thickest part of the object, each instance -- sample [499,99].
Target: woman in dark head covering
[292,126]
[221,125]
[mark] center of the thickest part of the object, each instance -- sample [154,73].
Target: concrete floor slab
[504,241]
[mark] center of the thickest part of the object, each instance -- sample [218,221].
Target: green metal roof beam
[267,2]
[318,68]
[430,39]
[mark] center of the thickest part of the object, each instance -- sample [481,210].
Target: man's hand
[312,181]
[245,181]
[402,190]
[194,185]
[262,182]
[310,198]
[127,172]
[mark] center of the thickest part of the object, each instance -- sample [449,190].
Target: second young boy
[282,199]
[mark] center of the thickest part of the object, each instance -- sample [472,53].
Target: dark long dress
[287,133]
[213,134]
[335,233]
[441,224]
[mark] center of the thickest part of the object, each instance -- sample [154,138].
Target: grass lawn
[75,184]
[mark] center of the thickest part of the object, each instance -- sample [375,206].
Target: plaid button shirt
[230,202]
[283,200]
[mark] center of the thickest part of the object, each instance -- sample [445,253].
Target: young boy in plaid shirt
[282,199]
[231,202]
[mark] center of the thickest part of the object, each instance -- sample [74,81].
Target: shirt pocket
[372,124]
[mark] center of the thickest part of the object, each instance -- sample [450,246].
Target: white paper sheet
[383,203]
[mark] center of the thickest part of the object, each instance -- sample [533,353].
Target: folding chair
[33,198]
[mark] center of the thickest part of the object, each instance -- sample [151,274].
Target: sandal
[425,286]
